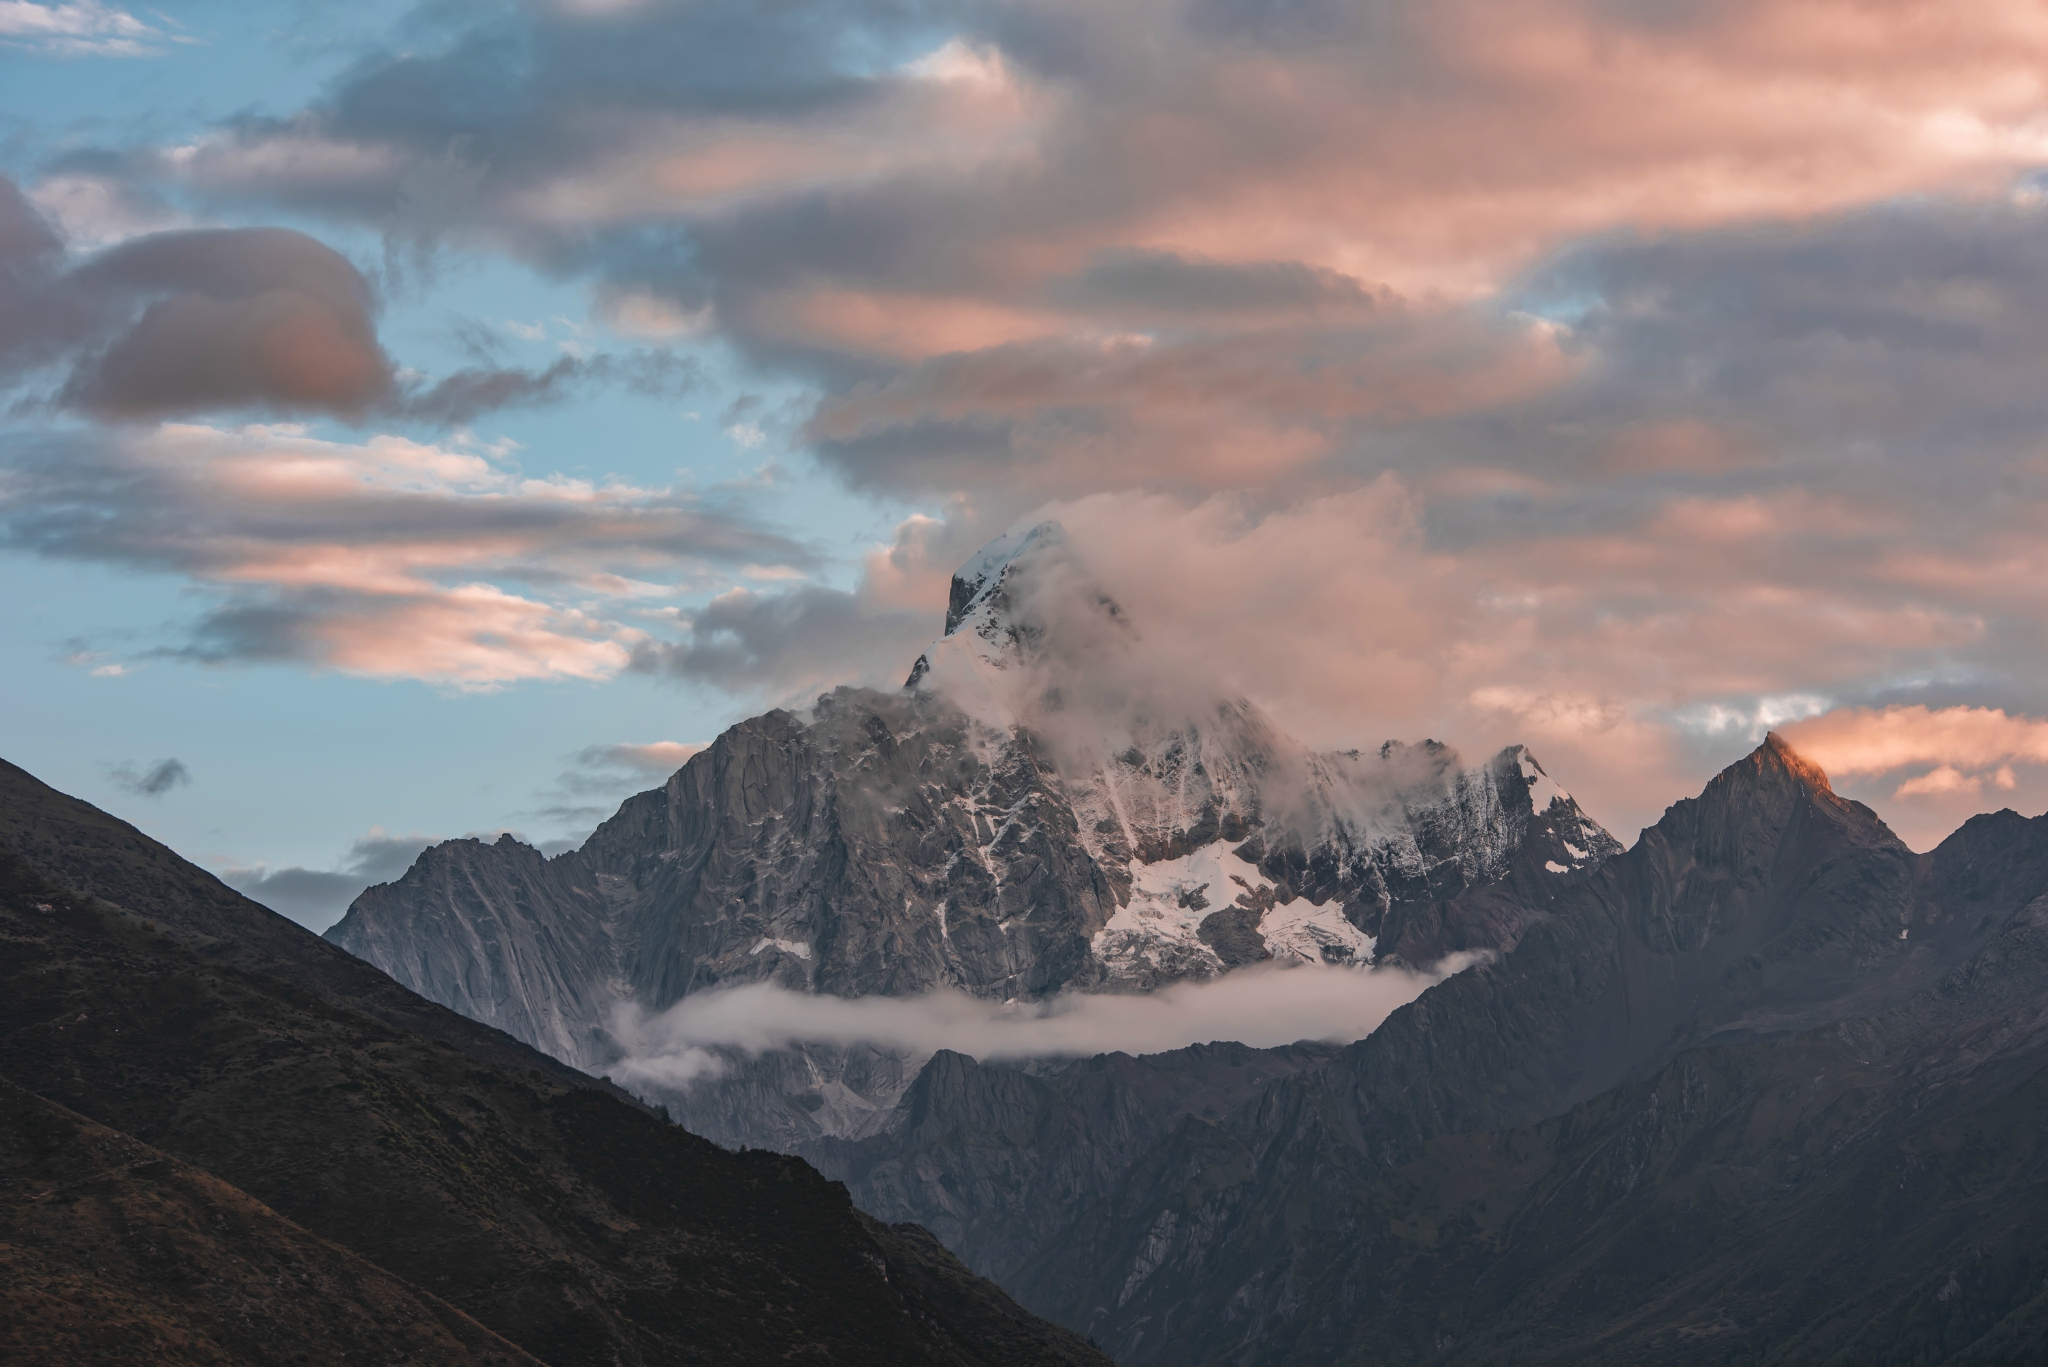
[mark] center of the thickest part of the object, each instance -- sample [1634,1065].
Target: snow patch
[1160,925]
[796,947]
[1168,902]
[1556,867]
[1315,933]
[1543,789]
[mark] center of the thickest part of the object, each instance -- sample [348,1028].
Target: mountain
[225,1141]
[996,827]
[111,1250]
[1765,1087]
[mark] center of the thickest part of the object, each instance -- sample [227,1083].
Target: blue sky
[289,766]
[416,412]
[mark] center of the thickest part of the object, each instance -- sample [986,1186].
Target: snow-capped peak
[988,623]
[978,582]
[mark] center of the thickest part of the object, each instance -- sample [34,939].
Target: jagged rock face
[874,847]
[971,832]
[888,844]
[1474,871]
[1764,908]
[440,931]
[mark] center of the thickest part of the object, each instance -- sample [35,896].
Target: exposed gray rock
[1762,911]
[891,844]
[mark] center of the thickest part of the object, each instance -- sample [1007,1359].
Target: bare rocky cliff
[888,844]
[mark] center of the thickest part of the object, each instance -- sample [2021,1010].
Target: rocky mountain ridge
[1765,923]
[227,1119]
[942,837]
[1761,1087]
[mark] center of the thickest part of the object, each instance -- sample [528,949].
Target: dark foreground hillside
[231,1149]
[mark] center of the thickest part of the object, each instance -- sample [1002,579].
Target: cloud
[1213,410]
[1050,179]
[461,398]
[158,779]
[601,776]
[1636,655]
[789,643]
[179,322]
[1427,145]
[1614,377]
[1636,594]
[656,758]
[91,211]
[387,558]
[1966,745]
[786,645]
[230,317]
[78,28]
[1259,1006]
[317,897]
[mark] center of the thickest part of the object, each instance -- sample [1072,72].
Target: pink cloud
[1881,741]
[470,636]
[389,558]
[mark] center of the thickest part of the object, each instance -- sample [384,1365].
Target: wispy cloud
[1262,1007]
[80,28]
[150,781]
[599,777]
[387,558]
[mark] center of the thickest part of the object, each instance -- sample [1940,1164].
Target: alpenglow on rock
[1025,817]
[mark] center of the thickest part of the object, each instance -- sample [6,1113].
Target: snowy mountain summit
[1226,841]
[1031,814]
[982,618]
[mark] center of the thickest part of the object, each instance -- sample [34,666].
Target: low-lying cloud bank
[1263,1007]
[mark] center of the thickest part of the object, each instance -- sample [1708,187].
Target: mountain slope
[575,1225]
[1765,908]
[84,849]
[949,1156]
[114,1252]
[1821,1199]
[994,828]
[995,1160]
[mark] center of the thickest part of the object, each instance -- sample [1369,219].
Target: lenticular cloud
[1261,1006]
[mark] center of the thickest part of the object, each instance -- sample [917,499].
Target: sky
[433,419]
